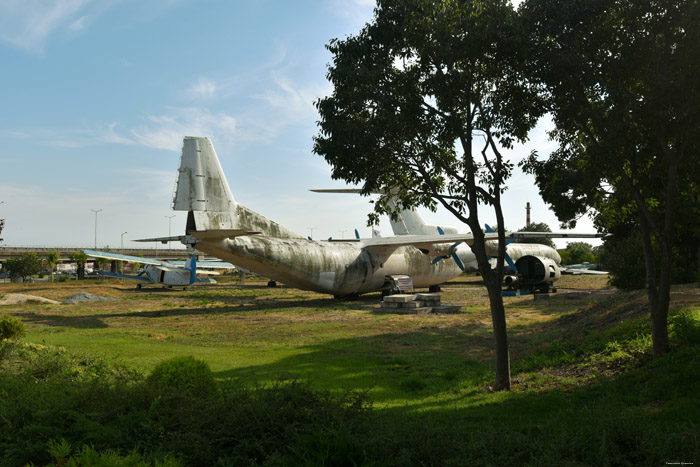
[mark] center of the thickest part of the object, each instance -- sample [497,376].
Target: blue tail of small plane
[191,266]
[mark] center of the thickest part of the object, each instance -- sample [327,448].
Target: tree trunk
[658,290]
[500,335]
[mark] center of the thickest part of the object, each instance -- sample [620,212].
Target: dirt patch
[19,299]
[83,297]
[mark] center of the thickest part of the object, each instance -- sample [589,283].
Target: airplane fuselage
[336,268]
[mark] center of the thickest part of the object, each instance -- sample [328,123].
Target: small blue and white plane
[168,273]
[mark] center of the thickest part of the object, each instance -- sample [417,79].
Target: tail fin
[202,190]
[409,222]
[191,265]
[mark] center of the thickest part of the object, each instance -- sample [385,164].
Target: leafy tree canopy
[577,253]
[537,227]
[424,99]
[24,265]
[621,79]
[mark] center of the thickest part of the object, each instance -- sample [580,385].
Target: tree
[621,79]
[23,266]
[424,98]
[80,259]
[52,258]
[537,227]
[576,253]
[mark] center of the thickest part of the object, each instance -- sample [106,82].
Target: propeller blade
[357,234]
[458,261]
[510,263]
[440,231]
[488,228]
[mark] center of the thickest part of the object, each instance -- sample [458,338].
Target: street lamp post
[342,233]
[96,211]
[311,236]
[122,247]
[170,218]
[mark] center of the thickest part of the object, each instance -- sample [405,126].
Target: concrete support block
[399,298]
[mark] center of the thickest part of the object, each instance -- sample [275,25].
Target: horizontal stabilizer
[220,234]
[163,240]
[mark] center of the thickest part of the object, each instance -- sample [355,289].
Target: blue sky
[97,95]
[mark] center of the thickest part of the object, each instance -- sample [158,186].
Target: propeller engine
[451,252]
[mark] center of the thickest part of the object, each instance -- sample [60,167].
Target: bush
[182,375]
[11,327]
[685,327]
[87,456]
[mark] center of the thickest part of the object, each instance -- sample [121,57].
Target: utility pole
[170,218]
[2,223]
[311,235]
[96,211]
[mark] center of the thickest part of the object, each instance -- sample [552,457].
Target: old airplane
[221,227]
[168,273]
[410,222]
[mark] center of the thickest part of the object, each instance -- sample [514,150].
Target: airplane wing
[117,257]
[526,235]
[426,241]
[419,241]
[204,272]
[577,272]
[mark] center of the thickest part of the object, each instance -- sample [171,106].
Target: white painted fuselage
[337,268]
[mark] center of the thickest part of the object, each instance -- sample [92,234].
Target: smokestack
[527,218]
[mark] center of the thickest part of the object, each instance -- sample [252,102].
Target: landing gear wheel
[272,284]
[138,286]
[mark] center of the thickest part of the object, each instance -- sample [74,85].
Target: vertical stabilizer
[191,265]
[202,190]
[409,222]
[201,185]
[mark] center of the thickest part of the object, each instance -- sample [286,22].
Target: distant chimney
[527,218]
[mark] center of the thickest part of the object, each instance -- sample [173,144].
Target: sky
[97,95]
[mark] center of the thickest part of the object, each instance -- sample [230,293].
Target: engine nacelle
[511,280]
[439,249]
[536,272]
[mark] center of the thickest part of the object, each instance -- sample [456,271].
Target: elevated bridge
[64,253]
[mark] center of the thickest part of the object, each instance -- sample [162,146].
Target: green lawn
[584,385]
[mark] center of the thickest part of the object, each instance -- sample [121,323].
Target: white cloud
[356,12]
[167,131]
[291,98]
[79,24]
[203,88]
[27,24]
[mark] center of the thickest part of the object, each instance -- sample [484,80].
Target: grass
[585,388]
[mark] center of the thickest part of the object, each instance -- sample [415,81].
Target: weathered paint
[334,268]
[331,267]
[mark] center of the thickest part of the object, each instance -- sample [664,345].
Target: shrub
[87,456]
[685,326]
[11,327]
[184,375]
